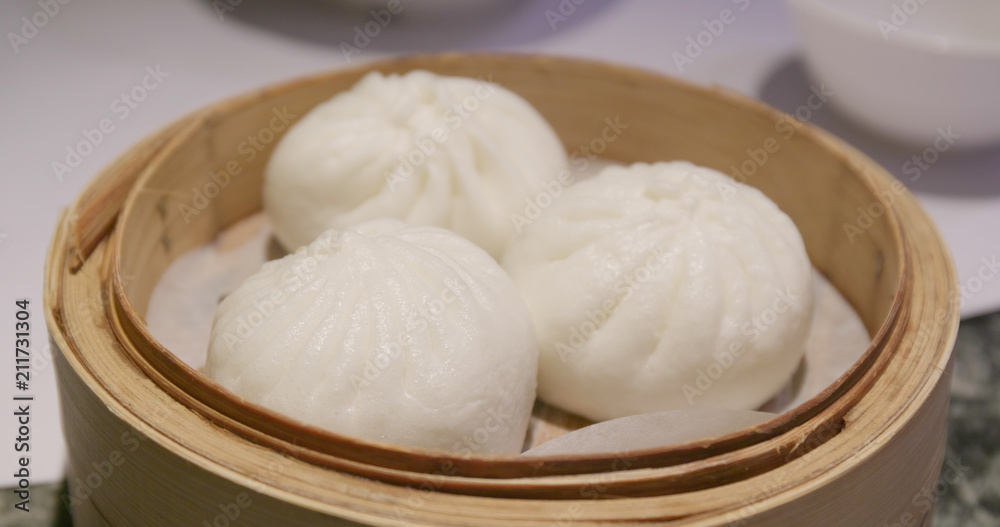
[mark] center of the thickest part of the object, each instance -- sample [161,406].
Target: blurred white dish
[907,68]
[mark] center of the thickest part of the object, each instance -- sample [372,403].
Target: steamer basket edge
[905,204]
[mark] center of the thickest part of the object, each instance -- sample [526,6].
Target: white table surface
[70,75]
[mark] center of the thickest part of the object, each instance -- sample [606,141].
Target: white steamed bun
[403,334]
[663,286]
[454,152]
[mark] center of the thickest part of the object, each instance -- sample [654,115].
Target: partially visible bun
[663,286]
[404,334]
[452,152]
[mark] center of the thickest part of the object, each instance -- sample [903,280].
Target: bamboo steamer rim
[753,447]
[331,449]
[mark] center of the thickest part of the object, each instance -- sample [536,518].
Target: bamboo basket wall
[184,452]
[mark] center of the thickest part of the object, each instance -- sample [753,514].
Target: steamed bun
[453,152]
[403,334]
[663,286]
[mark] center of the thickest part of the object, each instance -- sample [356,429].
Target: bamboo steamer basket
[153,442]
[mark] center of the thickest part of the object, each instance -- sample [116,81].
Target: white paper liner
[183,304]
[645,431]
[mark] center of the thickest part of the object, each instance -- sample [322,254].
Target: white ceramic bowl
[909,69]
